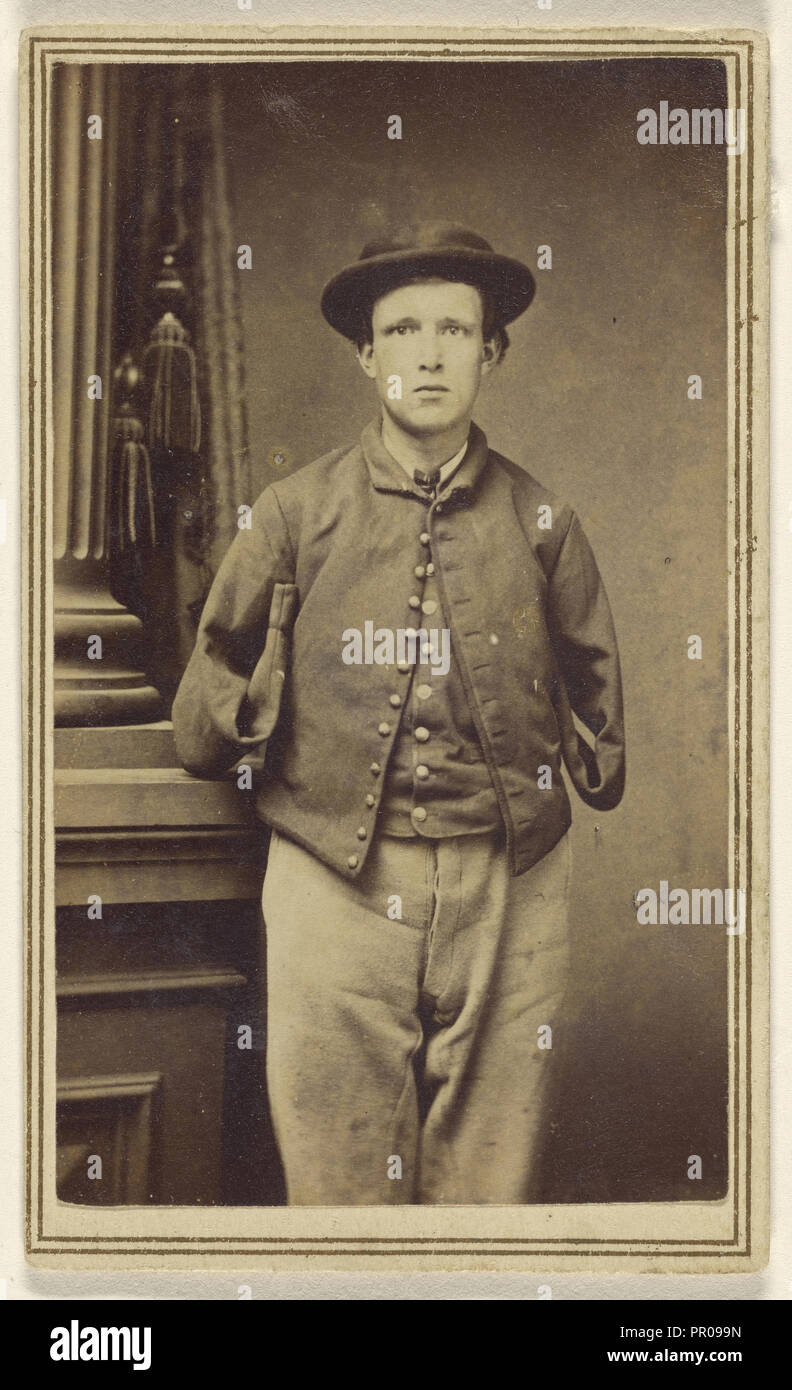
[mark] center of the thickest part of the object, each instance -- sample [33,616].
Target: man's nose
[431,351]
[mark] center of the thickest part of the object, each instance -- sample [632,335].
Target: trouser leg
[497,970]
[343,985]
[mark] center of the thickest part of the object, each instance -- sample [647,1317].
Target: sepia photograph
[396,655]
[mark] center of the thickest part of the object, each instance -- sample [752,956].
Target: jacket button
[384,730]
[394,700]
[430,568]
[361,832]
[353,861]
[422,772]
[414,601]
[422,734]
[425,538]
[420,571]
[429,606]
[375,769]
[419,813]
[370,800]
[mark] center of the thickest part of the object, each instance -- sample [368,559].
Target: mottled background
[592,399]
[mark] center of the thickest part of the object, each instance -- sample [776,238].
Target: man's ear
[490,354]
[365,356]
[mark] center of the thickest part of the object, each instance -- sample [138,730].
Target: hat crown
[426,236]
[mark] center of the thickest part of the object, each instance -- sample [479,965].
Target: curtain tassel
[170,369]
[135,490]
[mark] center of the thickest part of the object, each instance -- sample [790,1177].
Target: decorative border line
[42,48]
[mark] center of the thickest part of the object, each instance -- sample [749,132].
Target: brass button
[439,508]
[414,601]
[422,734]
[429,606]
[423,692]
[370,800]
[420,572]
[353,861]
[494,639]
[404,666]
[430,568]
[419,813]
[384,729]
[422,772]
[394,700]
[425,538]
[375,769]
[361,832]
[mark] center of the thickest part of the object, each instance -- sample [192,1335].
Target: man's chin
[423,421]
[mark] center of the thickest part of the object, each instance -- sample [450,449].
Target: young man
[397,647]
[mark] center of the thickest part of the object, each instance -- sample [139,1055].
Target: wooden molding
[116,1118]
[154,981]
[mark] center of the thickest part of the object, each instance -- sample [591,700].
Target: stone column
[96,683]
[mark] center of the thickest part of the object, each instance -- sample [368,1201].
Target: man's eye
[453,328]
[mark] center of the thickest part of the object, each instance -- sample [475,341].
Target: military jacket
[336,546]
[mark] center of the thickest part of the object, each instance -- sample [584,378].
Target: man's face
[428,336]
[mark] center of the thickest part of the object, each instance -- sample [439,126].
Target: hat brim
[350,295]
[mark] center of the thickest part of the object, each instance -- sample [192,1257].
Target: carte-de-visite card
[396,709]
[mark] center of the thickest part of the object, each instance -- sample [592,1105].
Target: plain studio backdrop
[592,400]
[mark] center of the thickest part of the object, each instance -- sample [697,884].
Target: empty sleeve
[228,700]
[584,642]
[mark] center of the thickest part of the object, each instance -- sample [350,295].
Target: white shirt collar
[445,470]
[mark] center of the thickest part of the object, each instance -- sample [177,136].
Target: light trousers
[408,1051]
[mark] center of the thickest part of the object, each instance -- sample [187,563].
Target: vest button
[419,813]
[425,538]
[361,832]
[384,730]
[375,769]
[422,772]
[420,572]
[423,691]
[422,734]
[403,666]
[353,861]
[430,568]
[414,601]
[370,800]
[429,606]
[394,700]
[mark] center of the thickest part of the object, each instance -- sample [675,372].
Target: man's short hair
[490,328]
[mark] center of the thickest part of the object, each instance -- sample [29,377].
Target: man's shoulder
[528,492]
[290,499]
[345,458]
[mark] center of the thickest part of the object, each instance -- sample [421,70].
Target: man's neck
[428,453]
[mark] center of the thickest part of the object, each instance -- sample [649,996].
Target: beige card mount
[185,195]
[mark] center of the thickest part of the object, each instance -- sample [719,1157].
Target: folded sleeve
[590,686]
[229,698]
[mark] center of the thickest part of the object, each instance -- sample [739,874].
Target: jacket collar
[387,474]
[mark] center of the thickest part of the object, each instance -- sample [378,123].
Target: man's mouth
[431,389]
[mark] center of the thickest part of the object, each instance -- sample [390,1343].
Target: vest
[438,783]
